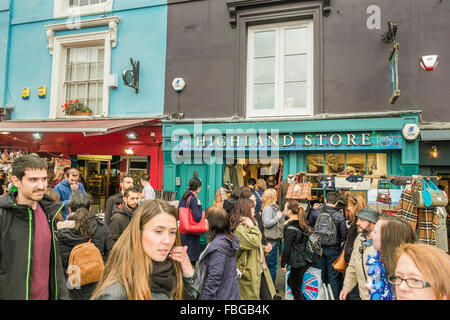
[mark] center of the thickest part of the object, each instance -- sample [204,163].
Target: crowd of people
[251,236]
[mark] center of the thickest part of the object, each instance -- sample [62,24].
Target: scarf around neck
[163,278]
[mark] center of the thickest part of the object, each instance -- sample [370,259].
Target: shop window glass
[314,163]
[335,163]
[377,163]
[356,163]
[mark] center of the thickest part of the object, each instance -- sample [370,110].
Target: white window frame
[61,9]
[60,45]
[279,110]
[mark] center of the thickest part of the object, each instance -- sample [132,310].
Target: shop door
[201,170]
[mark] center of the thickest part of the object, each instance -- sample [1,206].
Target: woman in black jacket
[295,233]
[190,200]
[81,227]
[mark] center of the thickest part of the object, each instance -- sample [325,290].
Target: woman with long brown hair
[255,282]
[295,234]
[388,234]
[148,261]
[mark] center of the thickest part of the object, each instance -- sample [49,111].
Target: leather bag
[187,223]
[340,264]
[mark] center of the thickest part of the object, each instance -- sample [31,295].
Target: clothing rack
[389,176]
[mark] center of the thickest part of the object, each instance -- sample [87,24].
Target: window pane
[264,43]
[295,95]
[295,68]
[264,70]
[377,163]
[81,91]
[295,41]
[92,90]
[80,72]
[263,96]
[335,163]
[82,54]
[356,163]
[99,71]
[314,163]
[84,2]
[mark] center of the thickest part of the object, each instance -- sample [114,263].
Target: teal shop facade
[207,147]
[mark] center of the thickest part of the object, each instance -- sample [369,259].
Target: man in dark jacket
[126,182]
[330,252]
[30,264]
[122,213]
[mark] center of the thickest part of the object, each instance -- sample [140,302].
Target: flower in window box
[76,108]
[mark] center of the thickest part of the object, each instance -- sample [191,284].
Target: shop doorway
[96,176]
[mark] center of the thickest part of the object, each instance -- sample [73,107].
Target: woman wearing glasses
[422,272]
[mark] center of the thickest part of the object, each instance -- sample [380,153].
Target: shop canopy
[83,136]
[87,127]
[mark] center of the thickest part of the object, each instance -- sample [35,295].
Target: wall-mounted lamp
[132,135]
[129,151]
[434,152]
[37,136]
[4,132]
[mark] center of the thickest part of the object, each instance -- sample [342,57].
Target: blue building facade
[37,36]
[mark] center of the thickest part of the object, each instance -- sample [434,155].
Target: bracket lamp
[434,152]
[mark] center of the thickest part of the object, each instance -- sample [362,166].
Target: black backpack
[325,228]
[305,251]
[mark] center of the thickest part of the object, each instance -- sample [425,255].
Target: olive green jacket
[248,262]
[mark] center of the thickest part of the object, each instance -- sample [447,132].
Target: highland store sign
[212,144]
[300,141]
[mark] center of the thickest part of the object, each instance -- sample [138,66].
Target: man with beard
[356,273]
[30,263]
[122,213]
[126,182]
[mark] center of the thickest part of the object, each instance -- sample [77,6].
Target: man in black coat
[30,263]
[126,182]
[122,213]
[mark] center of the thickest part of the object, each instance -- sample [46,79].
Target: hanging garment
[427,225]
[240,175]
[406,209]
[253,169]
[269,170]
[441,230]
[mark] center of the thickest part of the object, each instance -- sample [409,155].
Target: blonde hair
[432,262]
[129,264]
[269,198]
[261,184]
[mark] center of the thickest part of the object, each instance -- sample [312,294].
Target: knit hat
[369,214]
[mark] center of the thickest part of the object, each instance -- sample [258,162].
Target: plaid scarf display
[422,219]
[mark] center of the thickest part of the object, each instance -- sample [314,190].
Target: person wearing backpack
[295,234]
[330,226]
[83,227]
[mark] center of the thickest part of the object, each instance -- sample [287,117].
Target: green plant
[71,107]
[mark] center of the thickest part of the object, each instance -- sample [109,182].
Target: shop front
[102,150]
[371,147]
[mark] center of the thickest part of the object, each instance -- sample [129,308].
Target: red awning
[87,127]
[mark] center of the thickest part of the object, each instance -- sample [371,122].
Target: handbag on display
[187,223]
[384,197]
[384,184]
[428,195]
[299,191]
